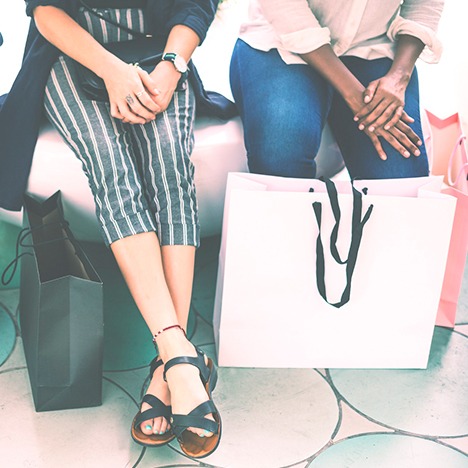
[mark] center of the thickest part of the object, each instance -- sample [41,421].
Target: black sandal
[158,409]
[192,444]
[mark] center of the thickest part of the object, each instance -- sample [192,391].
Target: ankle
[164,331]
[172,341]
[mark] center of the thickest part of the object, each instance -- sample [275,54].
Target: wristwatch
[179,64]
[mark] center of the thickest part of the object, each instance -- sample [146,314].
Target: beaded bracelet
[165,329]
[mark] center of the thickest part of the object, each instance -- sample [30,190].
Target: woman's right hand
[396,136]
[400,136]
[131,93]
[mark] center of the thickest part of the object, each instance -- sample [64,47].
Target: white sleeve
[296,26]
[420,18]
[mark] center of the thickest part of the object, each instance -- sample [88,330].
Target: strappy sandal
[192,444]
[158,409]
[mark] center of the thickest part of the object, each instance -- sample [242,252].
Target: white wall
[444,89]
[14,28]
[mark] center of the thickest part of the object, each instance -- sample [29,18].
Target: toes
[146,428]
[206,434]
[160,426]
[164,426]
[156,426]
[157,423]
[200,432]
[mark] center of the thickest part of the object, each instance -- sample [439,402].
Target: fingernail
[417,153]
[419,142]
[371,129]
[387,127]
[202,435]
[156,91]
[161,432]
[356,119]
[148,427]
[383,156]
[407,154]
[366,99]
[361,127]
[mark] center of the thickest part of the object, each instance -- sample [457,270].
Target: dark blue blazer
[21,110]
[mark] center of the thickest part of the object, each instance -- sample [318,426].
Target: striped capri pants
[141,176]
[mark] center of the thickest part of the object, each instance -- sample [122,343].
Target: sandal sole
[209,387]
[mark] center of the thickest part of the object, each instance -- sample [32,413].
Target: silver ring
[138,95]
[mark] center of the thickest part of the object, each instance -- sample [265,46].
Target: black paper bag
[61,311]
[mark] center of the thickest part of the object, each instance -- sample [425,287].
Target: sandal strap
[149,414]
[198,362]
[154,364]
[158,409]
[153,401]
[196,418]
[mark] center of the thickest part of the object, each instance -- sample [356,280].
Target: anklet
[165,329]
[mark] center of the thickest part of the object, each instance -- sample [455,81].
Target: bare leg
[160,281]
[179,263]
[139,259]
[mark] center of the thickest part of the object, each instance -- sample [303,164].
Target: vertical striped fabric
[141,176]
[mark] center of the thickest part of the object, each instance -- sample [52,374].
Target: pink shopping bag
[446,146]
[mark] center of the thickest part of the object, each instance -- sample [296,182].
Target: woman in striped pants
[135,150]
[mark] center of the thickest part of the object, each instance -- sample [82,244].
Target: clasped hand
[135,96]
[383,115]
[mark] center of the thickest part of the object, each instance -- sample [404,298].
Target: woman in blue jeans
[299,63]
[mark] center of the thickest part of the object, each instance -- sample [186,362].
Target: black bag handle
[333,195]
[357,227]
[25,232]
[111,21]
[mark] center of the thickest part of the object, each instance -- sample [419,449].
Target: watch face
[180,64]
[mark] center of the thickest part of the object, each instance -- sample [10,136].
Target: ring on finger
[139,94]
[129,99]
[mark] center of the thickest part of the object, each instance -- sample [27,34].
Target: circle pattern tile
[277,417]
[7,335]
[389,451]
[415,400]
[100,435]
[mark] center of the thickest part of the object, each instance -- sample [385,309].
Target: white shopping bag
[268,308]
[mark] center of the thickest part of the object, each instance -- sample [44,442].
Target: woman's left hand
[384,103]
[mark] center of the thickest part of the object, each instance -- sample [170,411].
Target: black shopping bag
[61,311]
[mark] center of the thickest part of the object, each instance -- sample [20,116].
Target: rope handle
[358,223]
[25,232]
[464,168]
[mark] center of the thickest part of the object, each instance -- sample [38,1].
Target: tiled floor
[272,417]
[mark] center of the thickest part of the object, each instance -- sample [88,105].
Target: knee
[283,146]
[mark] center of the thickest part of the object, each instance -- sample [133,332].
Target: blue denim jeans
[284,109]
